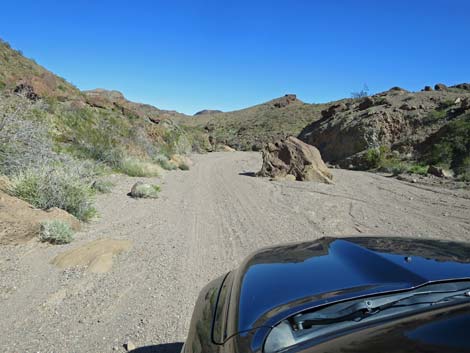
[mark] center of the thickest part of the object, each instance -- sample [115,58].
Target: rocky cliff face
[397,119]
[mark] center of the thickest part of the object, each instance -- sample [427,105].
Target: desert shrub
[137,168]
[435,115]
[56,232]
[372,158]
[164,162]
[102,186]
[24,141]
[452,149]
[66,186]
[362,93]
[446,104]
[145,191]
[418,169]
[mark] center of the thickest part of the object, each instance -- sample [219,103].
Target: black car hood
[277,282]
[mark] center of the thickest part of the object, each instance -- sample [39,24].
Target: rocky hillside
[396,124]
[115,100]
[18,72]
[251,128]
[56,140]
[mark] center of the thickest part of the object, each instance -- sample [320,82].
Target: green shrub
[56,232]
[24,139]
[435,115]
[164,162]
[61,186]
[452,149]
[418,169]
[102,186]
[137,168]
[372,158]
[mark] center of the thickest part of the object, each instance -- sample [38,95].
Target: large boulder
[294,157]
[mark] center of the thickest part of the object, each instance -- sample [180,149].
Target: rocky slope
[407,124]
[97,117]
[251,128]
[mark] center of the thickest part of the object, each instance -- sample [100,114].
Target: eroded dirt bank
[205,221]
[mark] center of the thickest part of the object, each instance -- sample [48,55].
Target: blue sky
[193,55]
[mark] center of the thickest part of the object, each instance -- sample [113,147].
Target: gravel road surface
[204,223]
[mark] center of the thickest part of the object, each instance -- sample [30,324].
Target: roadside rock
[439,172]
[143,191]
[129,346]
[294,157]
[427,88]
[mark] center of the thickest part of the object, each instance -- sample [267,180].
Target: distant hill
[250,128]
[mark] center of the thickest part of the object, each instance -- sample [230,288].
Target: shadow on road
[250,174]
[161,348]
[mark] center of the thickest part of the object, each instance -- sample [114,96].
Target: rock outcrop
[285,101]
[398,120]
[292,157]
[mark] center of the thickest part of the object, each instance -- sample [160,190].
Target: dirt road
[205,221]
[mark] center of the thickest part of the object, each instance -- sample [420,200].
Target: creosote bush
[56,232]
[62,186]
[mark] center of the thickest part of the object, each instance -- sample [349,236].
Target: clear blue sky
[217,54]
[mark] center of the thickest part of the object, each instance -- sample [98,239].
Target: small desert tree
[362,93]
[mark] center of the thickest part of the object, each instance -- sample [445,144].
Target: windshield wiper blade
[371,306]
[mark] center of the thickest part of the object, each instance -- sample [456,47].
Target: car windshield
[332,318]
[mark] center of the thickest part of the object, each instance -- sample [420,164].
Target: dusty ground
[206,220]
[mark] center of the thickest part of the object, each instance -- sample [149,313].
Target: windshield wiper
[371,306]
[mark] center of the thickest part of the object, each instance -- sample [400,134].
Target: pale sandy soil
[204,223]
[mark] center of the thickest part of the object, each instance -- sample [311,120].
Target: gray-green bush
[102,186]
[56,232]
[62,185]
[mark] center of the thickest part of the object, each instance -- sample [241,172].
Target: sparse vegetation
[364,92]
[102,186]
[384,160]
[56,232]
[65,186]
[137,168]
[452,148]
